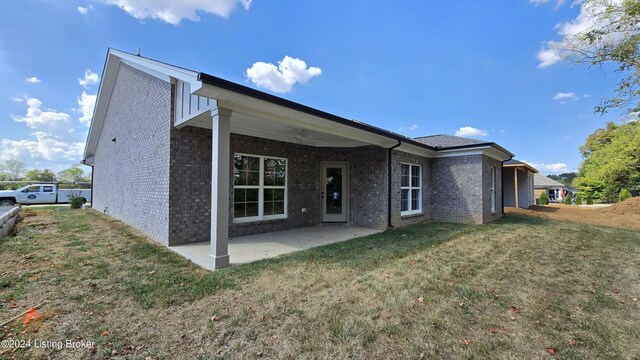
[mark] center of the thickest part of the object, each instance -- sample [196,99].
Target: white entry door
[334,196]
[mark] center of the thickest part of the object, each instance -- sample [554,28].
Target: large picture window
[410,189]
[259,188]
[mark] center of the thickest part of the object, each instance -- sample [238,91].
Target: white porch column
[220,152]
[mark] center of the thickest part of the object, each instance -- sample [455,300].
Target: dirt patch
[630,206]
[624,215]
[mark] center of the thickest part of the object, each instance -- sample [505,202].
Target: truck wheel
[7,202]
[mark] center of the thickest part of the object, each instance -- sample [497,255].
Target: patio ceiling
[270,127]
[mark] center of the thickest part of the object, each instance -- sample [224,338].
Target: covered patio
[246,249]
[275,166]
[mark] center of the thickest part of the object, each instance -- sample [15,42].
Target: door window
[334,194]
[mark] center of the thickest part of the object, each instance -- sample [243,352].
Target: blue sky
[417,68]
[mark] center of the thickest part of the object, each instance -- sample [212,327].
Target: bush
[578,199]
[544,200]
[567,200]
[624,195]
[76,202]
[589,199]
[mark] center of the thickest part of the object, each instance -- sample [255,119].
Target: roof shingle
[447,141]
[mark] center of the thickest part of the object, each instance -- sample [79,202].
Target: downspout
[91,166]
[502,185]
[389,182]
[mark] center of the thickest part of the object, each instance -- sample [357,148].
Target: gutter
[389,183]
[257,94]
[84,162]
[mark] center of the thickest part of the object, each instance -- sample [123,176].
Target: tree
[590,188]
[565,178]
[624,195]
[611,161]
[567,200]
[578,199]
[14,169]
[544,200]
[45,175]
[73,174]
[606,32]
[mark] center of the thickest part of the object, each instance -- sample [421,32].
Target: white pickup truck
[41,194]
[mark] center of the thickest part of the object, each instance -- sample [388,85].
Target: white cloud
[18,98]
[281,78]
[589,18]
[90,78]
[45,146]
[33,80]
[172,11]
[543,2]
[551,168]
[563,97]
[82,10]
[86,103]
[36,118]
[405,129]
[469,131]
[547,56]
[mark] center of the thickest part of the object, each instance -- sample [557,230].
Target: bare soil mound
[630,206]
[623,215]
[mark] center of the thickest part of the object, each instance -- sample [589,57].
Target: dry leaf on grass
[420,299]
[551,350]
[573,342]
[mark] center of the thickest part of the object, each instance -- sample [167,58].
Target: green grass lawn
[521,288]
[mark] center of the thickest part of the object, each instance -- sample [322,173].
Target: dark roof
[541,181]
[518,163]
[449,141]
[514,162]
[245,90]
[261,95]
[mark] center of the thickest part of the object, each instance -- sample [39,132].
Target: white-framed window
[410,189]
[259,188]
[493,189]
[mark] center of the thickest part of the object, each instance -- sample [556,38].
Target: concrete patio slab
[246,249]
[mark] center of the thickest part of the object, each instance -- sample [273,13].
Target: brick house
[555,190]
[187,157]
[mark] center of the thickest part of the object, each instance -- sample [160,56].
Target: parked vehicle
[41,194]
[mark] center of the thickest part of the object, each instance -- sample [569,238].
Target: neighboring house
[518,184]
[188,157]
[555,190]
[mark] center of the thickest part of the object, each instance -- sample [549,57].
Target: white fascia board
[481,150]
[102,100]
[154,68]
[159,69]
[266,110]
[416,150]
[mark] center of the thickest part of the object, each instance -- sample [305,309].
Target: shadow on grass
[518,219]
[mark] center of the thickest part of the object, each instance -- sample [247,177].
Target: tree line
[15,170]
[611,155]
